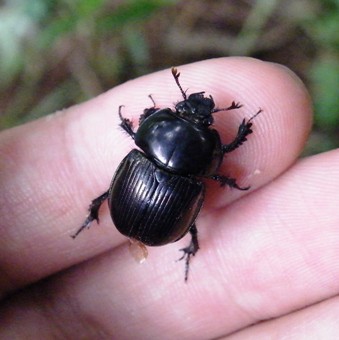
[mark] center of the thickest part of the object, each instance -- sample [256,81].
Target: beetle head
[196,108]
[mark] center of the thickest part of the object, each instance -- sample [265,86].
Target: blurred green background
[57,53]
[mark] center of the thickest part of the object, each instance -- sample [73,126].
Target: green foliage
[324,72]
[131,12]
[18,23]
[59,52]
[325,80]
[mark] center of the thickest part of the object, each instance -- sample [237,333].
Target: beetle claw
[188,252]
[93,213]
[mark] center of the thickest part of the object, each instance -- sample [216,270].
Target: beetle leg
[93,213]
[148,112]
[233,106]
[126,124]
[224,180]
[176,76]
[191,249]
[243,131]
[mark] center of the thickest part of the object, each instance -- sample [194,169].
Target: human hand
[271,252]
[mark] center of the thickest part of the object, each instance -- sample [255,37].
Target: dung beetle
[156,194]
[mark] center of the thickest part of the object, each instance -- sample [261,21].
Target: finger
[52,168]
[273,252]
[279,244]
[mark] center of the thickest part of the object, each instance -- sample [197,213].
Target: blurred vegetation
[60,52]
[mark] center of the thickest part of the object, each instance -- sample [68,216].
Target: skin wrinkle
[314,321]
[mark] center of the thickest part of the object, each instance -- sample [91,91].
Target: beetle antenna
[176,76]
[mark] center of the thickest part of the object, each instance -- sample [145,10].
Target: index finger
[52,168]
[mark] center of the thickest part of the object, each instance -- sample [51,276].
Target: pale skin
[270,253]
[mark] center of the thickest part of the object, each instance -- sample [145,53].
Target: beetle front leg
[191,249]
[243,131]
[148,112]
[233,106]
[126,124]
[224,180]
[93,213]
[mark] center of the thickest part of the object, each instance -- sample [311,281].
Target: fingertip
[279,132]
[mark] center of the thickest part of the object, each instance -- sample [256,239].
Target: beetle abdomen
[150,204]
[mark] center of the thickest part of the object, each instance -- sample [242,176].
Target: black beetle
[156,195]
